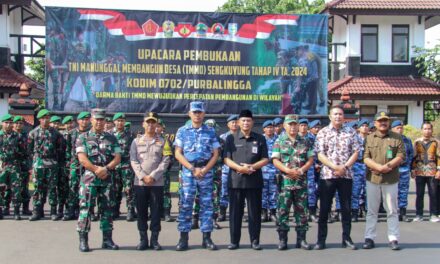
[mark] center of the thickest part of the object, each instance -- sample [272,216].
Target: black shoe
[183,242]
[216,225]
[155,241]
[313,218]
[207,242]
[256,245]
[107,241]
[273,216]
[143,241]
[264,216]
[36,215]
[368,244]
[319,246]
[354,215]
[69,215]
[402,215]
[17,216]
[26,210]
[394,245]
[53,213]
[233,246]
[282,245]
[195,222]
[130,215]
[301,240]
[222,215]
[349,244]
[84,242]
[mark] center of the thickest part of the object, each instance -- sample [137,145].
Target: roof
[14,82]
[32,13]
[382,7]
[384,88]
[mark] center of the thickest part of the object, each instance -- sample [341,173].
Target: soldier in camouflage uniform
[25,166]
[99,153]
[124,176]
[75,168]
[46,147]
[197,149]
[12,147]
[312,183]
[293,156]
[109,125]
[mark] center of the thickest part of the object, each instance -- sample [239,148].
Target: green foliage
[36,68]
[428,62]
[436,124]
[273,6]
[412,132]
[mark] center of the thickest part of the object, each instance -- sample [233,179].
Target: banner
[140,61]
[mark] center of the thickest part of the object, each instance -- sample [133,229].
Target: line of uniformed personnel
[291,164]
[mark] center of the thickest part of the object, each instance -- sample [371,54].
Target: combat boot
[36,214]
[107,241]
[222,216]
[402,215]
[354,215]
[143,243]
[264,216]
[195,221]
[130,215]
[282,245]
[6,210]
[26,210]
[60,212]
[183,242]
[155,241]
[312,214]
[17,212]
[207,242]
[273,216]
[53,213]
[69,215]
[167,215]
[215,223]
[301,240]
[84,242]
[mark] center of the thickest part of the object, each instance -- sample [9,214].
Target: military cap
[290,118]
[42,113]
[118,116]
[232,118]
[303,121]
[108,119]
[363,122]
[18,118]
[211,123]
[267,123]
[127,124]
[98,113]
[381,115]
[7,117]
[55,119]
[196,106]
[151,116]
[396,123]
[245,113]
[277,121]
[314,123]
[83,115]
[67,119]
[160,122]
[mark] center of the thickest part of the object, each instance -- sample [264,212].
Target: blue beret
[267,123]
[232,118]
[371,125]
[363,122]
[314,123]
[277,121]
[396,123]
[303,121]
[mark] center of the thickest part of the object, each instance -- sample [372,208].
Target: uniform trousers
[149,196]
[433,186]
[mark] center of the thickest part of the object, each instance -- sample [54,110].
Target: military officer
[292,154]
[124,176]
[224,198]
[150,155]
[46,147]
[278,125]
[313,172]
[109,125]
[55,122]
[197,150]
[99,153]
[12,147]
[270,191]
[76,169]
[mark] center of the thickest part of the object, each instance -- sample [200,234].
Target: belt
[199,164]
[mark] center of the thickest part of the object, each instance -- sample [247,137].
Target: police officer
[150,156]
[12,147]
[197,149]
[46,147]
[24,165]
[245,153]
[404,171]
[99,152]
[312,179]
[124,176]
[224,197]
[292,154]
[270,190]
[75,168]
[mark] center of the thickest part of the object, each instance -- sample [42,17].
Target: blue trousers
[403,188]
[270,192]
[224,196]
[311,187]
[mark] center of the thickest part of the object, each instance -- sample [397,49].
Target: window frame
[399,34]
[370,34]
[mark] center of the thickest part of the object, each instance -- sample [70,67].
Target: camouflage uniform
[24,174]
[270,190]
[63,176]
[46,148]
[405,170]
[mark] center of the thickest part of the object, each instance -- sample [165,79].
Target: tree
[428,62]
[36,68]
[273,6]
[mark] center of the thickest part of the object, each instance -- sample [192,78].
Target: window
[400,43]
[368,111]
[399,112]
[369,43]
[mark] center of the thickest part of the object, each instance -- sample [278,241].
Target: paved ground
[57,242]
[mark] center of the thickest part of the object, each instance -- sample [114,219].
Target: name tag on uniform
[254,150]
